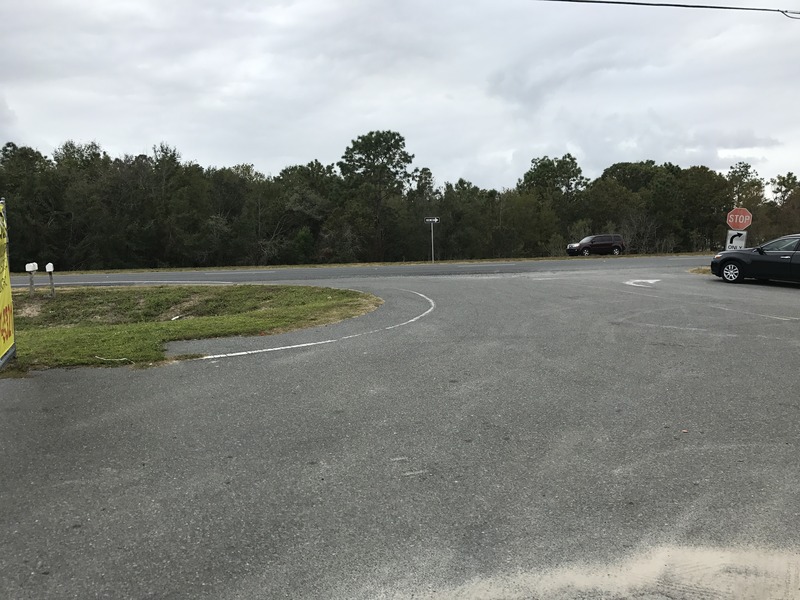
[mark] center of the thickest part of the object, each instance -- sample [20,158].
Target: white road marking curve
[331,341]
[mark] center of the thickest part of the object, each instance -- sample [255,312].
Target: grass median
[131,325]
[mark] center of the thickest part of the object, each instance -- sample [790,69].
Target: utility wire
[791,14]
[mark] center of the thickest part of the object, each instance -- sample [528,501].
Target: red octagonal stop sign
[739,218]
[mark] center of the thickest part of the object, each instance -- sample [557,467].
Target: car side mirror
[760,250]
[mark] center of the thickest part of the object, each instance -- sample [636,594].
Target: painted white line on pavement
[237,272]
[347,337]
[645,283]
[169,281]
[261,351]
[677,327]
[131,282]
[418,317]
[744,312]
[467,266]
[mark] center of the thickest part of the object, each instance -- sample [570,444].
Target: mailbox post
[50,268]
[31,268]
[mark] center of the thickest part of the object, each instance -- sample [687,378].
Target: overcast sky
[477,88]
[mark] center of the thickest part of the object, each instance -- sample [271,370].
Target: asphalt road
[311,274]
[613,428]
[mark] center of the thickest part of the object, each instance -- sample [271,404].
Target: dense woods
[83,209]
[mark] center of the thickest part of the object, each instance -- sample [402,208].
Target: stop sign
[739,218]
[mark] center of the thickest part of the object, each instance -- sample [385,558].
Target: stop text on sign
[739,218]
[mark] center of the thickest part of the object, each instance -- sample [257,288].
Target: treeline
[82,209]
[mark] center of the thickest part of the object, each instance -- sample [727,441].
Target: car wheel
[616,251]
[732,272]
[586,252]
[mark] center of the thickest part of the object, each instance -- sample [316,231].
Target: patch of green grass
[131,325]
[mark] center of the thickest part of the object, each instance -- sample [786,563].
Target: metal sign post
[432,220]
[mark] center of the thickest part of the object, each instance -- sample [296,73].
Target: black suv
[605,243]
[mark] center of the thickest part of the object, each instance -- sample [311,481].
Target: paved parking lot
[623,430]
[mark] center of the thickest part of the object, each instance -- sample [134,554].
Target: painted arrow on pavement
[642,282]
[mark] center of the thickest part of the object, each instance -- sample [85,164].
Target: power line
[791,14]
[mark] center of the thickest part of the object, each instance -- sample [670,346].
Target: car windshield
[586,240]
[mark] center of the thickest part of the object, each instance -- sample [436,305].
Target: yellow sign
[7,348]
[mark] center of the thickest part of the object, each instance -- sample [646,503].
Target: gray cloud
[477,89]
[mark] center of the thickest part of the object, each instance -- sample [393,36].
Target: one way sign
[736,240]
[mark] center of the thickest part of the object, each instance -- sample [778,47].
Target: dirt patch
[29,310]
[180,310]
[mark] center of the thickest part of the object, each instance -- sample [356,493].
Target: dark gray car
[777,259]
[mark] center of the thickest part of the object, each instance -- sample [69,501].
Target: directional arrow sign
[431,219]
[736,240]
